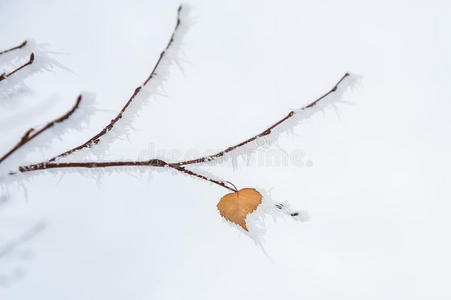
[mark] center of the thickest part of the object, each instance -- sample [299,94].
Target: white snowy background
[374,179]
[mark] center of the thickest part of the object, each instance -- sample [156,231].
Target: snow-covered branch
[24,43]
[179,166]
[231,205]
[20,62]
[29,62]
[31,133]
[96,138]
[265,132]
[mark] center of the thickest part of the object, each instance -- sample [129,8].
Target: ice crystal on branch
[17,65]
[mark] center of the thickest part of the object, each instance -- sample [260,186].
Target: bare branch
[95,139]
[189,172]
[179,166]
[107,164]
[91,165]
[263,133]
[14,48]
[29,135]
[30,61]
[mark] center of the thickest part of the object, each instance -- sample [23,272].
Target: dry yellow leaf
[236,206]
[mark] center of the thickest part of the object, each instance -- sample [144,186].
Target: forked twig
[14,48]
[6,75]
[31,133]
[179,166]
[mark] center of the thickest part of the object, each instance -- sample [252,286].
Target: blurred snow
[374,180]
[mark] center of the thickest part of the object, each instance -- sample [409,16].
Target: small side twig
[95,139]
[6,75]
[191,173]
[267,131]
[284,210]
[31,133]
[14,48]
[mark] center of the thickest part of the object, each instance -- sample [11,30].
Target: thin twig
[14,48]
[95,139]
[108,164]
[30,61]
[282,207]
[91,165]
[263,133]
[29,135]
[189,172]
